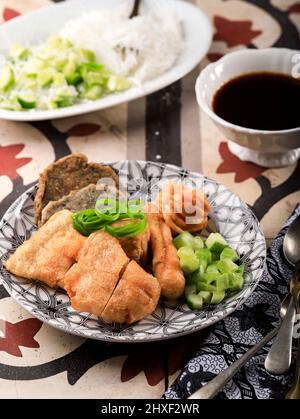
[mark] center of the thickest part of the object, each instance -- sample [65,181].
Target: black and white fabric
[232,337]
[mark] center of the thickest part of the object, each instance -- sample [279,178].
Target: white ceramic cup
[266,148]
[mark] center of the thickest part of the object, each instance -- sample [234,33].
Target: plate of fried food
[131,251]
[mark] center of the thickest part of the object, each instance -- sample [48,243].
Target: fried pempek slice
[48,254]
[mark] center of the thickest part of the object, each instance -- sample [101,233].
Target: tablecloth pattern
[37,361]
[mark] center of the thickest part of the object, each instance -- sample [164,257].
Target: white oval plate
[37,26]
[232,218]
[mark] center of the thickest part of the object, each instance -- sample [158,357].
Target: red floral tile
[9,163]
[9,14]
[234,32]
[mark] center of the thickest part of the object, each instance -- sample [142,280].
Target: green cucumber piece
[222,282]
[236,282]
[18,52]
[226,266]
[217,297]
[189,263]
[216,243]
[44,78]
[27,100]
[184,240]
[213,267]
[241,269]
[229,253]
[93,92]
[202,286]
[118,84]
[190,289]
[204,255]
[7,78]
[195,302]
[197,243]
[74,79]
[206,296]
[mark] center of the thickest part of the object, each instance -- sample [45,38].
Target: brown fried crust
[68,174]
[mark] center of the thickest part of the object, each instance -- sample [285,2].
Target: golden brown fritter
[48,254]
[166,265]
[91,282]
[135,297]
[83,199]
[136,248]
[66,175]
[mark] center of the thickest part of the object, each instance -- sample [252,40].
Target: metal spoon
[279,358]
[210,390]
[135,10]
[294,393]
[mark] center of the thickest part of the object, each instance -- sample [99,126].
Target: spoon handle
[217,384]
[279,358]
[135,10]
[294,393]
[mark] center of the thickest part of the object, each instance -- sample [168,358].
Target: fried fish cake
[91,282]
[48,254]
[80,200]
[66,175]
[166,264]
[135,297]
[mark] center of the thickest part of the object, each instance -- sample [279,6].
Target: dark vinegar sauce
[262,101]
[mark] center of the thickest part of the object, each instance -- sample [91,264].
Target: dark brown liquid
[262,101]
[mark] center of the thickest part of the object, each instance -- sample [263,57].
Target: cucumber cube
[236,282]
[241,269]
[93,92]
[201,286]
[27,101]
[204,255]
[195,302]
[229,253]
[44,78]
[216,243]
[118,84]
[206,296]
[19,52]
[190,289]
[188,261]
[7,78]
[209,277]
[197,243]
[184,240]
[223,283]
[74,79]
[213,267]
[217,297]
[226,266]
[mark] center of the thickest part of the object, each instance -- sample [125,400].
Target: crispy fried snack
[49,253]
[66,175]
[166,265]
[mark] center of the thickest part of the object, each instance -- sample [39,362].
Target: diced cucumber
[59,80]
[226,266]
[64,102]
[229,253]
[241,269]
[188,261]
[215,257]
[206,296]
[222,282]
[118,84]
[194,301]
[204,255]
[7,78]
[236,282]
[74,79]
[213,267]
[93,92]
[217,297]
[184,240]
[201,286]
[88,55]
[190,289]
[27,100]
[210,277]
[44,78]
[197,243]
[19,52]
[216,243]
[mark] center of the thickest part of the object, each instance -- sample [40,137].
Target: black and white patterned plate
[231,217]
